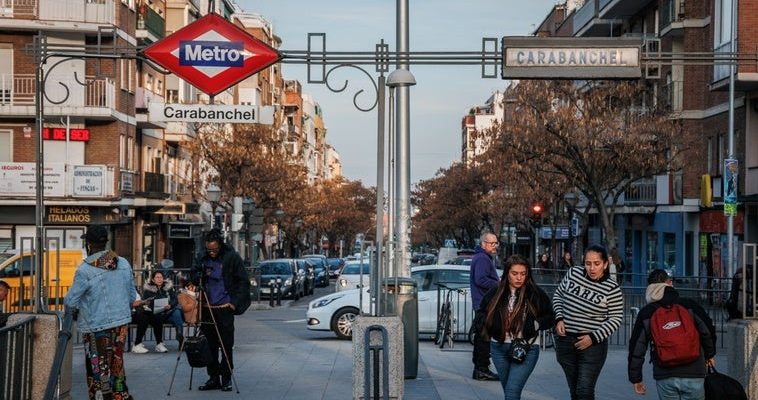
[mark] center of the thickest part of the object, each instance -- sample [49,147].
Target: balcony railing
[152,22]
[93,11]
[154,184]
[19,90]
[672,95]
[642,192]
[671,11]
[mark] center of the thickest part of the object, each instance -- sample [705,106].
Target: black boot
[211,384]
[226,384]
[484,374]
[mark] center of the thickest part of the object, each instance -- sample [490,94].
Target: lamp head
[400,77]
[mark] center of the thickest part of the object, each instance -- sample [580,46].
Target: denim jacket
[103,293]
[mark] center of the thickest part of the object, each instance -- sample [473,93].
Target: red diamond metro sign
[212,54]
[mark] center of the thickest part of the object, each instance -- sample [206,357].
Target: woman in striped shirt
[588,308]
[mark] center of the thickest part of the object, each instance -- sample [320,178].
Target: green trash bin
[400,297]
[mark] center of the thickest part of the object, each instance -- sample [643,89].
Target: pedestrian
[103,294]
[482,277]
[567,262]
[588,308]
[517,309]
[225,287]
[679,380]
[619,264]
[544,265]
[159,305]
[4,289]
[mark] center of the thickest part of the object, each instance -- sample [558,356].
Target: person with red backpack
[683,340]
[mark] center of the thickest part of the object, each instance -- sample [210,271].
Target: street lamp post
[247,211]
[399,78]
[213,194]
[279,237]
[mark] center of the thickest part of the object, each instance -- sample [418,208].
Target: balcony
[603,17]
[672,15]
[61,181]
[155,185]
[151,25]
[87,11]
[672,95]
[96,98]
[641,193]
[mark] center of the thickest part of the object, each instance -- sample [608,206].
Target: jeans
[681,389]
[481,354]
[513,375]
[581,367]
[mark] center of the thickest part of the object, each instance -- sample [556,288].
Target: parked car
[336,312]
[335,266]
[351,275]
[305,267]
[284,269]
[321,268]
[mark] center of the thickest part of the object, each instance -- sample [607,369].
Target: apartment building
[675,221]
[89,125]
[479,119]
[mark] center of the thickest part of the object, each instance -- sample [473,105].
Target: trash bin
[400,297]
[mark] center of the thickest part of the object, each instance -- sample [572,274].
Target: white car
[351,276]
[336,312]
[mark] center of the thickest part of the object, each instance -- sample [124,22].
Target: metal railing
[711,293]
[16,340]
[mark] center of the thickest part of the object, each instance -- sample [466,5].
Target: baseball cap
[96,234]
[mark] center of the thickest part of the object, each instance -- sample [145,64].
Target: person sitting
[157,292]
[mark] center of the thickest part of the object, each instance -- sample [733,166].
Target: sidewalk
[321,368]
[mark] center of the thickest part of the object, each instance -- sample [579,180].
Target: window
[6,146]
[172,96]
[149,82]
[652,251]
[130,153]
[722,35]
[122,154]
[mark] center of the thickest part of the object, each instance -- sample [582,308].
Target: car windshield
[5,256]
[318,263]
[275,268]
[355,269]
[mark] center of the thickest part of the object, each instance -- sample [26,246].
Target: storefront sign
[74,135]
[88,180]
[184,230]
[18,179]
[68,215]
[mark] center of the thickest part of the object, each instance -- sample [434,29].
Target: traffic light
[537,210]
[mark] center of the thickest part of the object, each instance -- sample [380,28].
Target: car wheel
[342,322]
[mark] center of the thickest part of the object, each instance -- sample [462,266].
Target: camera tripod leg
[221,344]
[178,358]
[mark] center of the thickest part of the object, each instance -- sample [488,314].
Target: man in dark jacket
[482,277]
[682,381]
[226,293]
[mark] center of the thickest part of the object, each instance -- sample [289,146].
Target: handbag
[188,304]
[519,349]
[720,386]
[198,352]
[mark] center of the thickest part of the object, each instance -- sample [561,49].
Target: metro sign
[212,54]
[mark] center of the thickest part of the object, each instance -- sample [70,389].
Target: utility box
[378,358]
[400,296]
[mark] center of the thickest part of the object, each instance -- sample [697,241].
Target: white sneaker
[139,349]
[160,348]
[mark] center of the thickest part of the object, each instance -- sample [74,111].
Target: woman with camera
[517,309]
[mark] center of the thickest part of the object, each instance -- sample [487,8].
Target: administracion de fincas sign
[212,54]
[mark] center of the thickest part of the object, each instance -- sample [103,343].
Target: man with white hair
[482,277]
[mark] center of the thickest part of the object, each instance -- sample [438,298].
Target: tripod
[202,295]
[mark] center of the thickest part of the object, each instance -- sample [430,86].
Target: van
[16,270]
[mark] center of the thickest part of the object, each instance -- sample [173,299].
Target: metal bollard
[278,291]
[272,287]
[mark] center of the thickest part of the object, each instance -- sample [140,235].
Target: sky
[443,94]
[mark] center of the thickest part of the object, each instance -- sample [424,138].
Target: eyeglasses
[492,243]
[212,249]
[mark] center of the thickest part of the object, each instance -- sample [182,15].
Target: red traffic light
[536,208]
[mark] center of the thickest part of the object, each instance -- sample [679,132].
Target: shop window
[669,253]
[652,251]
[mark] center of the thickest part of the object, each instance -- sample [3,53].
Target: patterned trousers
[104,362]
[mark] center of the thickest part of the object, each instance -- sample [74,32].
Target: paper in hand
[159,304]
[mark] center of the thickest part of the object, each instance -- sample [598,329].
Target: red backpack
[675,338]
